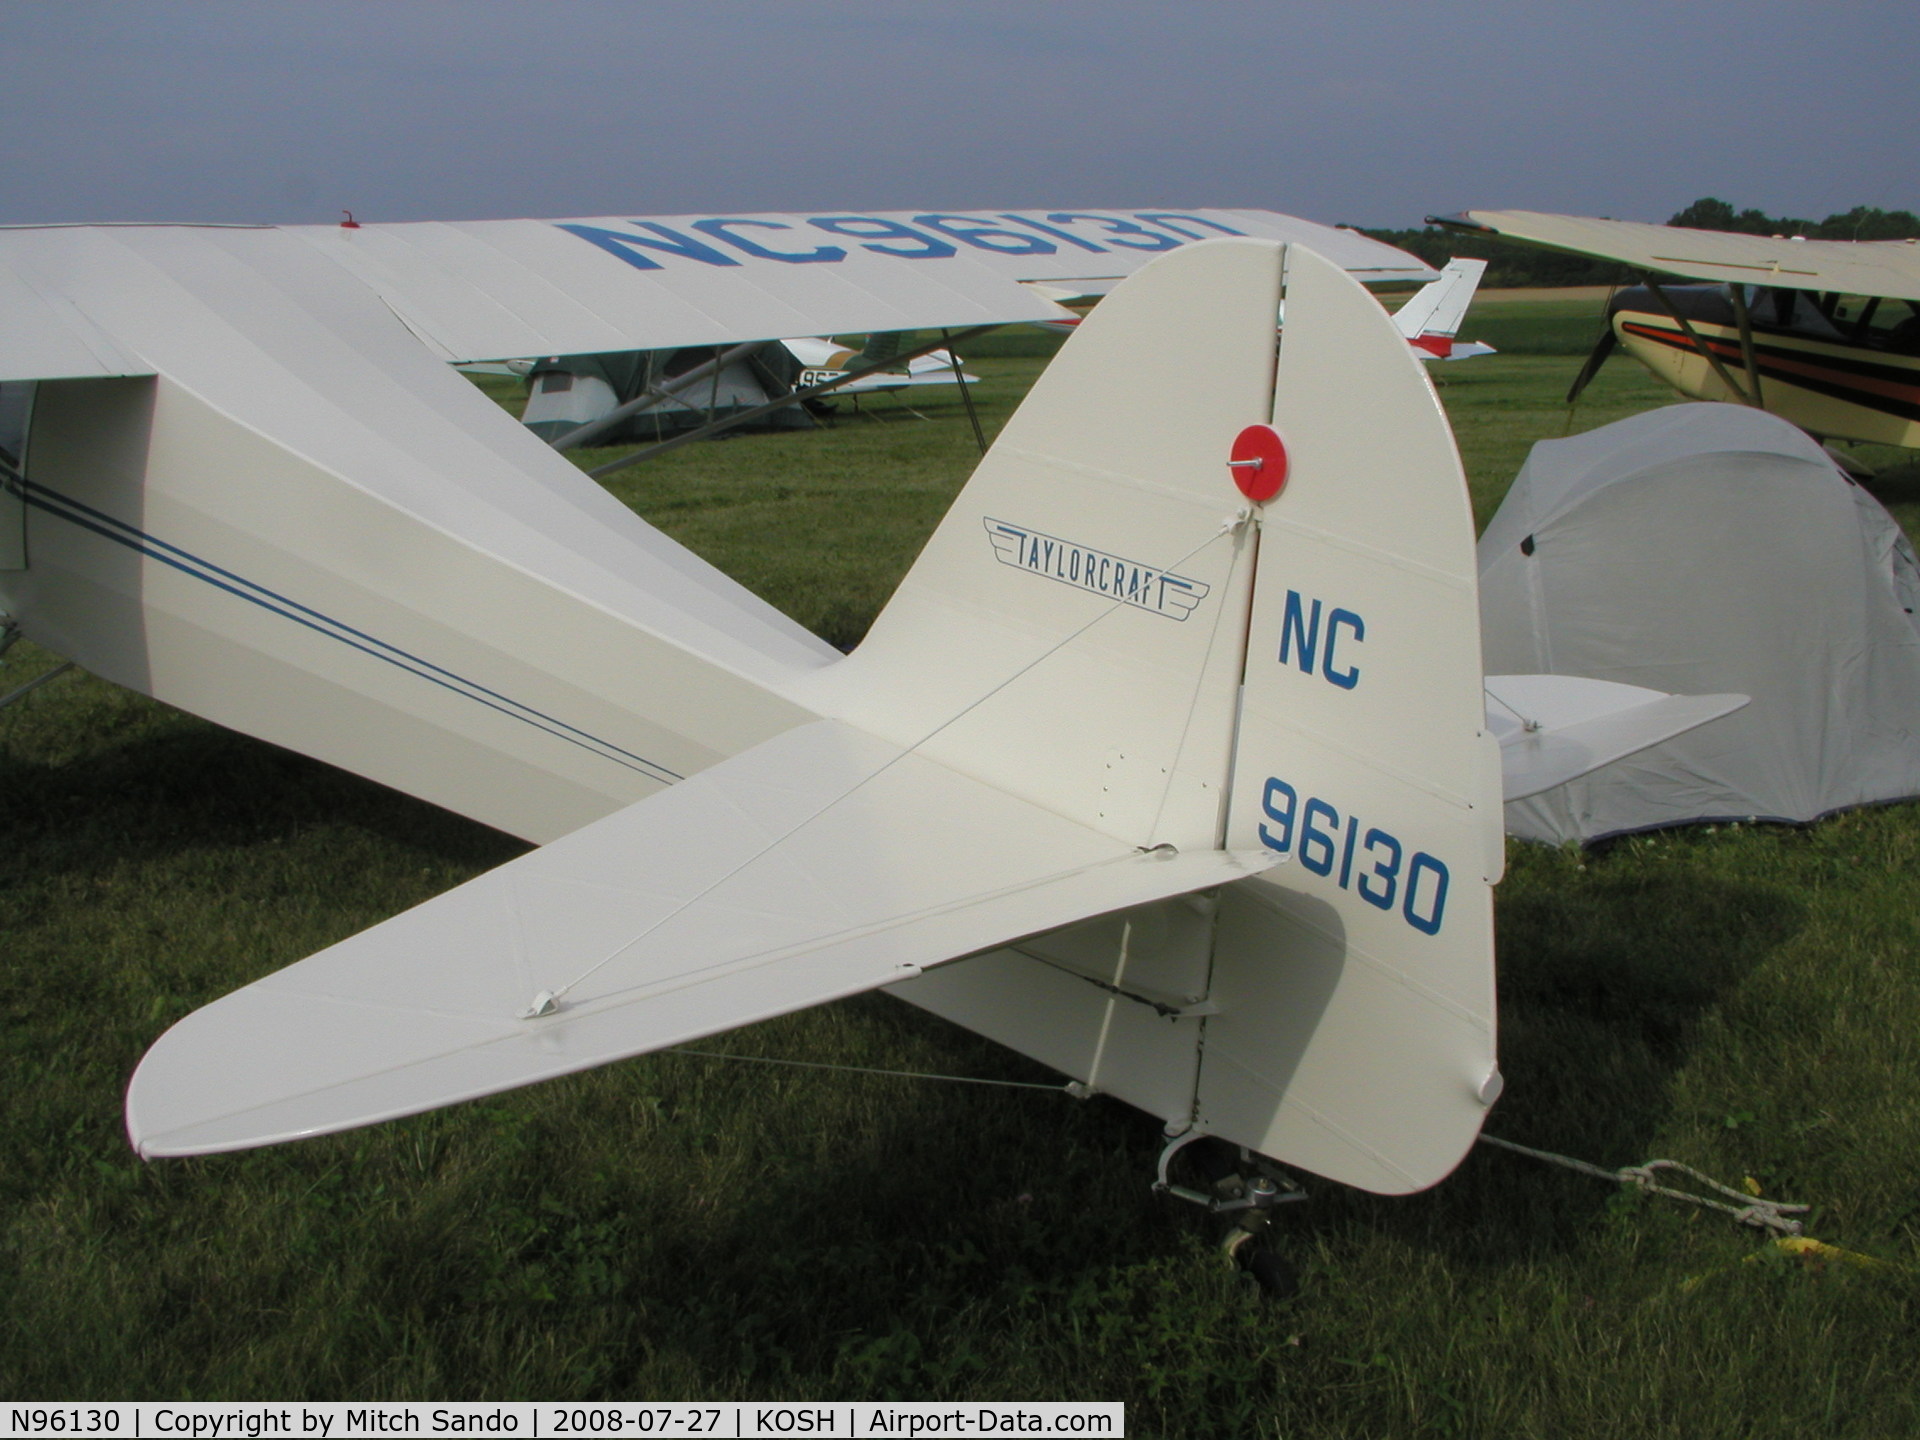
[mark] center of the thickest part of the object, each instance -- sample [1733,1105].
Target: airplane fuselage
[1831,377]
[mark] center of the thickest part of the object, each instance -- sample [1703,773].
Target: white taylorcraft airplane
[1168,764]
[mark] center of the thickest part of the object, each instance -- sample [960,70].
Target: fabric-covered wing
[493,289]
[818,864]
[1870,267]
[486,290]
[44,337]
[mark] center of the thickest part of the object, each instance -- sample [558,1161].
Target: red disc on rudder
[1259,462]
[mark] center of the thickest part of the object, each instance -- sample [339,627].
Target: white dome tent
[1711,547]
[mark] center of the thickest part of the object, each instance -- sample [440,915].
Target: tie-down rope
[1762,1214]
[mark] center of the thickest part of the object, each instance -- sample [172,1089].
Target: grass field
[1745,999]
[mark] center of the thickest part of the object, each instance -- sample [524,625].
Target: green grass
[1746,999]
[1535,327]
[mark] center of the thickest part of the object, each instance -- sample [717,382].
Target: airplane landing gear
[1243,1186]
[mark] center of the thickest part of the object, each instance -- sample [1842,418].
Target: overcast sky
[1358,112]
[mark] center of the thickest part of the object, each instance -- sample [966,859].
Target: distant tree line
[1863,222]
[1511,264]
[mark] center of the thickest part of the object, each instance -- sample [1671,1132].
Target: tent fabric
[1706,548]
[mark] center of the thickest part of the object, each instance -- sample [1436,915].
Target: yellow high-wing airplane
[1825,333]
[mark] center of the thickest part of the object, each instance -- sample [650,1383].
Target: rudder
[1355,985]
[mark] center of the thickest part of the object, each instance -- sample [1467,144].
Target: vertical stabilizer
[1073,630]
[1356,1027]
[1438,307]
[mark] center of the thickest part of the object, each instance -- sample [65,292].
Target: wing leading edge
[818,864]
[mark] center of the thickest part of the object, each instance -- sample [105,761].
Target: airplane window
[1894,325]
[1849,309]
[1799,311]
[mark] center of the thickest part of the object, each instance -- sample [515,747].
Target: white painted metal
[1095,534]
[499,289]
[490,289]
[1117,455]
[1438,307]
[47,337]
[824,359]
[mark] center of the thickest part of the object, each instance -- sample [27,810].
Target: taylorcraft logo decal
[1137,584]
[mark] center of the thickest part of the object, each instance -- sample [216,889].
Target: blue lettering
[927,248]
[720,230]
[1165,219]
[1057,234]
[1428,924]
[1350,677]
[1295,628]
[621,244]
[1316,845]
[1118,231]
[1315,824]
[1283,818]
[973,231]
[1386,869]
[1346,854]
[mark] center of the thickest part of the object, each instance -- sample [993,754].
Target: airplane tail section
[1074,627]
[1123,620]
[1355,985]
[1170,752]
[1431,318]
[779,878]
[1036,734]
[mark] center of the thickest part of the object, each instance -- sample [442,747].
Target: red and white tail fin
[1431,319]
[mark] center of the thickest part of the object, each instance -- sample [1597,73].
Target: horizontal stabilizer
[817,864]
[1556,728]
